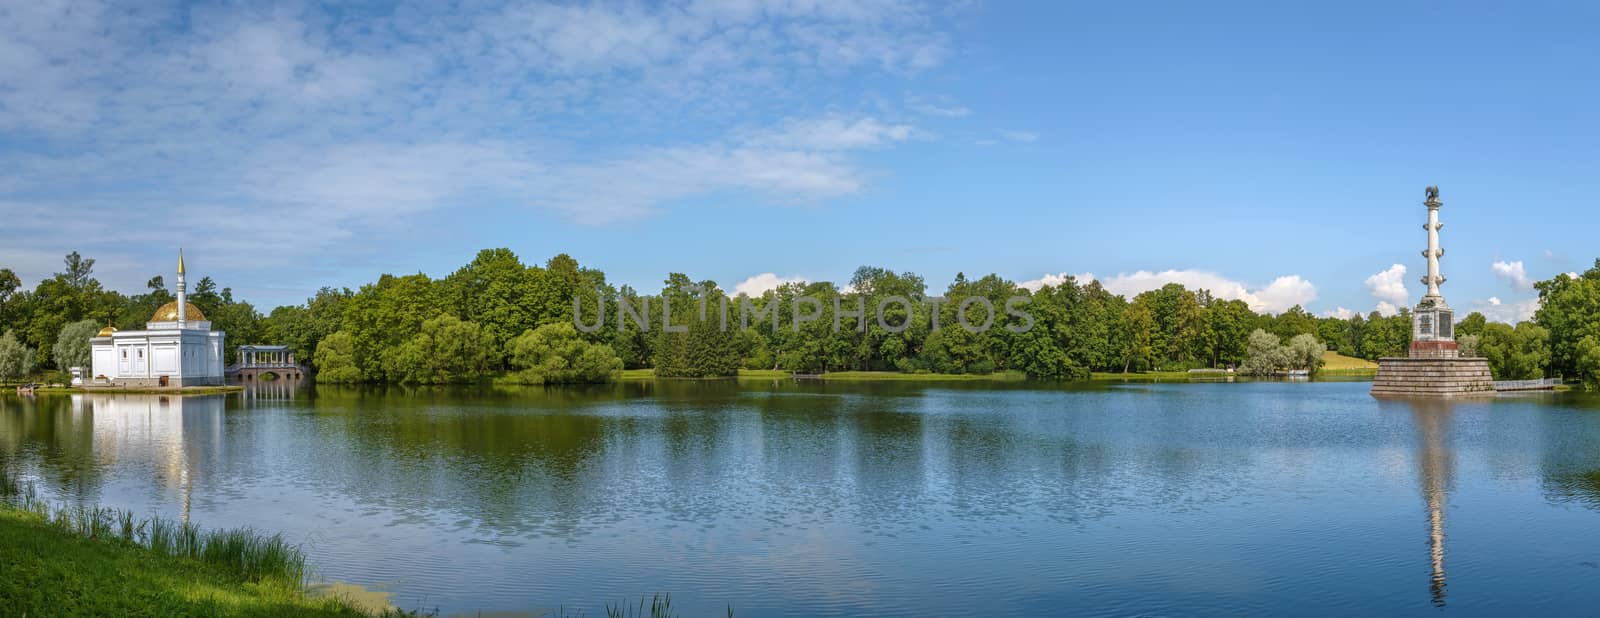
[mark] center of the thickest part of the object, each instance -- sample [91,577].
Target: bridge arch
[258,361]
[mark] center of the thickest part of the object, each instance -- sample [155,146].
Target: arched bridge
[256,361]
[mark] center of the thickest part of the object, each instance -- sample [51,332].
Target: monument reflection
[1436,468]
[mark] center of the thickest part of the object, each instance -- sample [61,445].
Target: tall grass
[660,607]
[254,556]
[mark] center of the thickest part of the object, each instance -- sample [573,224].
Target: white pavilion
[177,348]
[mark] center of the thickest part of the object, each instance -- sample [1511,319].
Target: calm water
[880,499]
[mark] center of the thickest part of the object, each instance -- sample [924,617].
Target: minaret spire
[183,294]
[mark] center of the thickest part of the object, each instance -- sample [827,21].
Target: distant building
[177,348]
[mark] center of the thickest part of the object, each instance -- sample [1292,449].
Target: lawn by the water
[45,571]
[1334,364]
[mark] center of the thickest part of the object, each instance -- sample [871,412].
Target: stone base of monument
[1433,377]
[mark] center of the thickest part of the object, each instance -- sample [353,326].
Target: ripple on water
[901,500]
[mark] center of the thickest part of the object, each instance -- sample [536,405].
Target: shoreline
[640,375]
[155,390]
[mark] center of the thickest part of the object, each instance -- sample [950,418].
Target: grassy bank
[187,390]
[895,376]
[48,571]
[61,560]
[84,561]
[1336,364]
[1141,375]
[847,376]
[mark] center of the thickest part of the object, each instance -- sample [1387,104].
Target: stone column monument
[1434,367]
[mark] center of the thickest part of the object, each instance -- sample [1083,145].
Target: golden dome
[169,313]
[106,332]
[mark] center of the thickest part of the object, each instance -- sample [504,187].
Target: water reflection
[818,498]
[1436,470]
[74,442]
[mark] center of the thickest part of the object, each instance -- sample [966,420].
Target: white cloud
[1573,274]
[760,284]
[349,123]
[1283,293]
[1513,273]
[931,109]
[1389,286]
[1512,312]
[1055,279]
[832,132]
[1341,313]
[1386,308]
[1019,136]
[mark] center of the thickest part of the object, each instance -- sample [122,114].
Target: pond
[907,499]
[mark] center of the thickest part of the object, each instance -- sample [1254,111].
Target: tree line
[500,318]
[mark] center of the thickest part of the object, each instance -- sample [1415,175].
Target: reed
[244,552]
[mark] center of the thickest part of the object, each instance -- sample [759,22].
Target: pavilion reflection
[170,435]
[272,392]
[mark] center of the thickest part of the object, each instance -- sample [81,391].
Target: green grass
[188,390]
[1140,375]
[849,376]
[1334,361]
[46,570]
[79,560]
[896,376]
[764,374]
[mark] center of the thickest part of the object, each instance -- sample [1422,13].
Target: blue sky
[1270,151]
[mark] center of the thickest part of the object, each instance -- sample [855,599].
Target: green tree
[556,354]
[706,346]
[1472,325]
[381,316]
[1468,345]
[1588,362]
[1386,336]
[1569,309]
[632,342]
[8,288]
[70,295]
[1139,324]
[1515,353]
[1264,356]
[446,351]
[1305,352]
[72,346]
[1293,321]
[1228,327]
[301,327]
[16,360]
[1355,330]
[1102,335]
[335,359]
[1178,336]
[1331,332]
[497,291]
